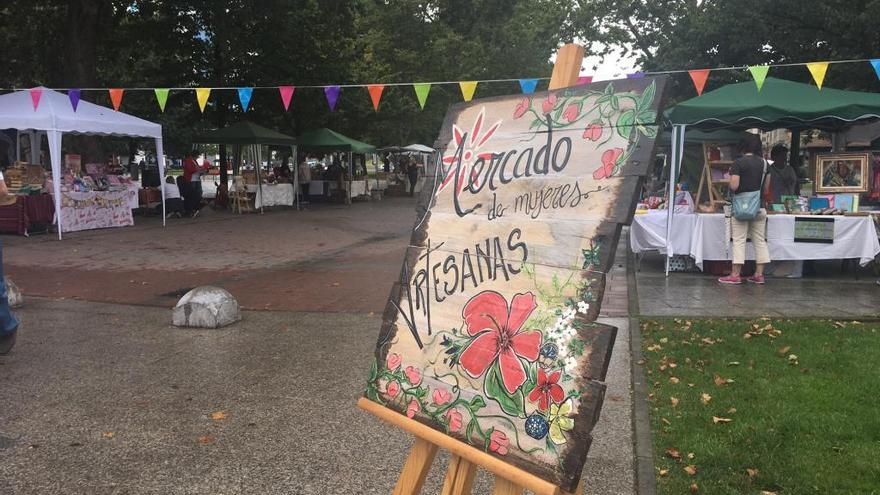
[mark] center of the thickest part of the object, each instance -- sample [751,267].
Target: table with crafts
[281,194]
[29,213]
[325,188]
[85,210]
[705,236]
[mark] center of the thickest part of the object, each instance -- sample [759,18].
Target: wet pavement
[826,293]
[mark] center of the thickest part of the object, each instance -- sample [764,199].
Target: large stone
[13,294]
[206,307]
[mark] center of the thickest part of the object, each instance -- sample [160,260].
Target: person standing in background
[305,177]
[8,321]
[783,178]
[192,174]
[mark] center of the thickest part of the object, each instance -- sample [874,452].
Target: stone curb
[646,483]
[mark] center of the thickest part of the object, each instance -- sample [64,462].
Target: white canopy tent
[55,116]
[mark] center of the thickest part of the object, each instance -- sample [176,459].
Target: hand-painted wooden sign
[490,335]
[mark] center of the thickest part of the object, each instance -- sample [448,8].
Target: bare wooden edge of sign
[427,437]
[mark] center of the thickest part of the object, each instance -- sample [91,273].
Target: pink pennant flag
[286,95]
[36,93]
[584,80]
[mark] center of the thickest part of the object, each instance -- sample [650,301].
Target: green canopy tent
[326,140]
[779,104]
[250,134]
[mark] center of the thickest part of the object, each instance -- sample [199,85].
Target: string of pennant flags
[817,70]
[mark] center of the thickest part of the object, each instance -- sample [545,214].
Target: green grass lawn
[790,406]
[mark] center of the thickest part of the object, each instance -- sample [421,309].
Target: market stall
[255,136]
[85,196]
[779,104]
[327,141]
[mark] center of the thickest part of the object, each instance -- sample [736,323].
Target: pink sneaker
[731,279]
[756,279]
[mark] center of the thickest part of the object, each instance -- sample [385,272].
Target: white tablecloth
[316,187]
[96,209]
[705,234]
[273,194]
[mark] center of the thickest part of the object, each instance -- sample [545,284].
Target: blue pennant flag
[876,64]
[244,96]
[528,85]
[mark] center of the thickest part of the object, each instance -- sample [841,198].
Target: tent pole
[54,138]
[259,158]
[350,175]
[160,159]
[295,172]
[677,149]
[794,157]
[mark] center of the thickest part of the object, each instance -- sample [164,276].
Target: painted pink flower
[498,442]
[609,161]
[547,389]
[470,145]
[548,104]
[593,132]
[571,113]
[522,108]
[413,375]
[412,408]
[392,389]
[454,418]
[497,329]
[441,396]
[392,361]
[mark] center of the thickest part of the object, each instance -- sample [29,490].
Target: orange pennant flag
[699,78]
[376,94]
[116,97]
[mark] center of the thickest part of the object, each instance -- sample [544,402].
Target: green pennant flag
[161,97]
[759,73]
[422,90]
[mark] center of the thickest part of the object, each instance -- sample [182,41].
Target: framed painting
[842,173]
[490,334]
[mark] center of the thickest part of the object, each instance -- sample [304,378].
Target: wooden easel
[509,480]
[716,188]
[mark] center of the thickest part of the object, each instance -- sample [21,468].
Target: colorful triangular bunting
[74,95]
[759,73]
[584,80]
[699,77]
[467,89]
[528,85]
[422,90]
[36,93]
[116,97]
[876,64]
[161,97]
[635,75]
[202,95]
[332,94]
[244,97]
[375,91]
[818,70]
[286,95]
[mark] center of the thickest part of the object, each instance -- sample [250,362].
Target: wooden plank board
[489,336]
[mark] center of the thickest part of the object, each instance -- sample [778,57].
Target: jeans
[8,321]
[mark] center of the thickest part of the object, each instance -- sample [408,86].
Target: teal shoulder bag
[745,206]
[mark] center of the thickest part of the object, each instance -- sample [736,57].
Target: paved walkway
[106,398]
[826,294]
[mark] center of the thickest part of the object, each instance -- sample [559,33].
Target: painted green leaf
[625,123]
[615,103]
[513,405]
[477,403]
[647,97]
[649,131]
[374,372]
[609,90]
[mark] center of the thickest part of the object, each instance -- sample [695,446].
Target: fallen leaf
[108,434]
[839,324]
[665,421]
[653,348]
[690,469]
[691,455]
[708,340]
[784,350]
[694,488]
[673,453]
[205,440]
[732,410]
[335,284]
[752,472]
[673,380]
[765,492]
[716,420]
[217,416]
[720,381]
[674,401]
[664,340]
[664,472]
[733,363]
[673,365]
[793,358]
[705,398]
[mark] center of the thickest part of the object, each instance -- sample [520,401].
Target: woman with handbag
[749,182]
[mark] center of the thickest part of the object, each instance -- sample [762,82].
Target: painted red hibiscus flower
[593,132]
[498,442]
[547,389]
[412,409]
[609,161]
[413,375]
[522,108]
[470,145]
[441,396]
[499,336]
[454,418]
[571,113]
[549,104]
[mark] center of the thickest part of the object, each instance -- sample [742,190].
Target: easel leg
[505,487]
[459,477]
[416,468]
